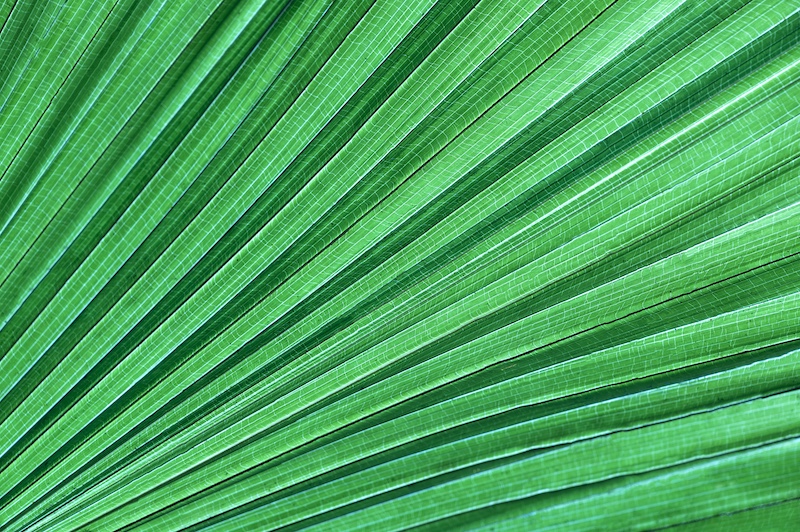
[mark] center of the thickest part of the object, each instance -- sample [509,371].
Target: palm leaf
[399,264]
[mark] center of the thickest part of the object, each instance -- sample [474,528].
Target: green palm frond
[393,264]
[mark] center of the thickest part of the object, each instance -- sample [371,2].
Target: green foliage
[389,264]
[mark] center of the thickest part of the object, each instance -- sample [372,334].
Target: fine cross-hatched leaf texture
[399,264]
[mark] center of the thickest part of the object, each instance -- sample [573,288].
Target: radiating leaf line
[383,265]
